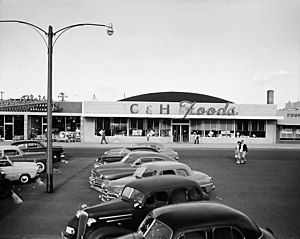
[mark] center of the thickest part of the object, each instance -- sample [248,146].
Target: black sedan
[30,146]
[199,220]
[126,167]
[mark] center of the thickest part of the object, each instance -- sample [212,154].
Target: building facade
[178,118]
[289,125]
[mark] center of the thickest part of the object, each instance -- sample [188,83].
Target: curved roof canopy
[172,96]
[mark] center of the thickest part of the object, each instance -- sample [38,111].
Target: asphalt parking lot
[266,188]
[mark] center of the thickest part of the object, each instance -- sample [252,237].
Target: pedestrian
[243,151]
[237,154]
[102,133]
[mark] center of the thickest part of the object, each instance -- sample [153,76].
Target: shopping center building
[160,117]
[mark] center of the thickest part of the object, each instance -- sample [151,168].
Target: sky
[236,50]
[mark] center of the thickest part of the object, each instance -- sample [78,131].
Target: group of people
[240,152]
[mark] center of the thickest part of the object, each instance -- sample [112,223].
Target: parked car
[31,146]
[125,167]
[113,188]
[115,155]
[18,171]
[199,220]
[123,215]
[5,185]
[161,148]
[15,154]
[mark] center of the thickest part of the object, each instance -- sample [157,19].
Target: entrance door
[8,132]
[180,133]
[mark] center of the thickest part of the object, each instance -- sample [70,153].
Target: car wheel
[24,178]
[41,167]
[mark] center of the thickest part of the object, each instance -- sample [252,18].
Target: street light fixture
[50,35]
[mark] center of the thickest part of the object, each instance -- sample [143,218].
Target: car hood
[110,166]
[122,181]
[106,211]
[114,173]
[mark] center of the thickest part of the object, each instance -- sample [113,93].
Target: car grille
[106,195]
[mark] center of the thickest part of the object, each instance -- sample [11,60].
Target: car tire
[24,178]
[41,167]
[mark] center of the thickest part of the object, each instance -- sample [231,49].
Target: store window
[35,127]
[118,126]
[153,127]
[242,128]
[258,129]
[19,126]
[136,127]
[102,123]
[165,128]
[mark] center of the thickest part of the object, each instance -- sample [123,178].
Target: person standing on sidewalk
[102,133]
[243,151]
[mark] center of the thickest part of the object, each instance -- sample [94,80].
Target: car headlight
[90,221]
[70,230]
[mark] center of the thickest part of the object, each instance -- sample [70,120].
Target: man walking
[102,133]
[243,151]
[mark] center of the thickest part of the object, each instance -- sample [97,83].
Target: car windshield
[133,194]
[128,159]
[152,228]
[142,172]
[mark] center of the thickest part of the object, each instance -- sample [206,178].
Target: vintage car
[161,148]
[115,155]
[18,171]
[32,146]
[199,220]
[16,154]
[113,188]
[123,215]
[5,185]
[125,167]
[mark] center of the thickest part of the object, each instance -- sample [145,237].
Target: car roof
[139,147]
[138,154]
[205,214]
[25,141]
[152,184]
[164,165]
[9,147]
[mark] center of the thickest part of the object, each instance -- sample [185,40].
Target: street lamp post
[50,35]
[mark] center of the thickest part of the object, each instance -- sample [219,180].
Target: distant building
[289,126]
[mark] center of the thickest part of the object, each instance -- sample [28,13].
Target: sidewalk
[181,145]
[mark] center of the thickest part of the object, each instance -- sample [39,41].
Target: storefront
[289,126]
[26,118]
[179,122]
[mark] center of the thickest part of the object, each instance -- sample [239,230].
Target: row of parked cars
[23,161]
[148,194]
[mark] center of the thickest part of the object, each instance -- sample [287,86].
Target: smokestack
[270,97]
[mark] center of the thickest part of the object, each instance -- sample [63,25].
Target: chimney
[270,97]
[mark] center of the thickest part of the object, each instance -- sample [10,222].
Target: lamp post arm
[36,28]
[63,30]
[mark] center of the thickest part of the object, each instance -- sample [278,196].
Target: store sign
[293,115]
[27,103]
[185,108]
[188,108]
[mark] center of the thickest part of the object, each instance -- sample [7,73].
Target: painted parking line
[15,197]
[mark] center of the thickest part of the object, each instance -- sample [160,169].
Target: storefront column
[26,126]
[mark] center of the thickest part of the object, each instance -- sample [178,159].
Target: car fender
[104,232]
